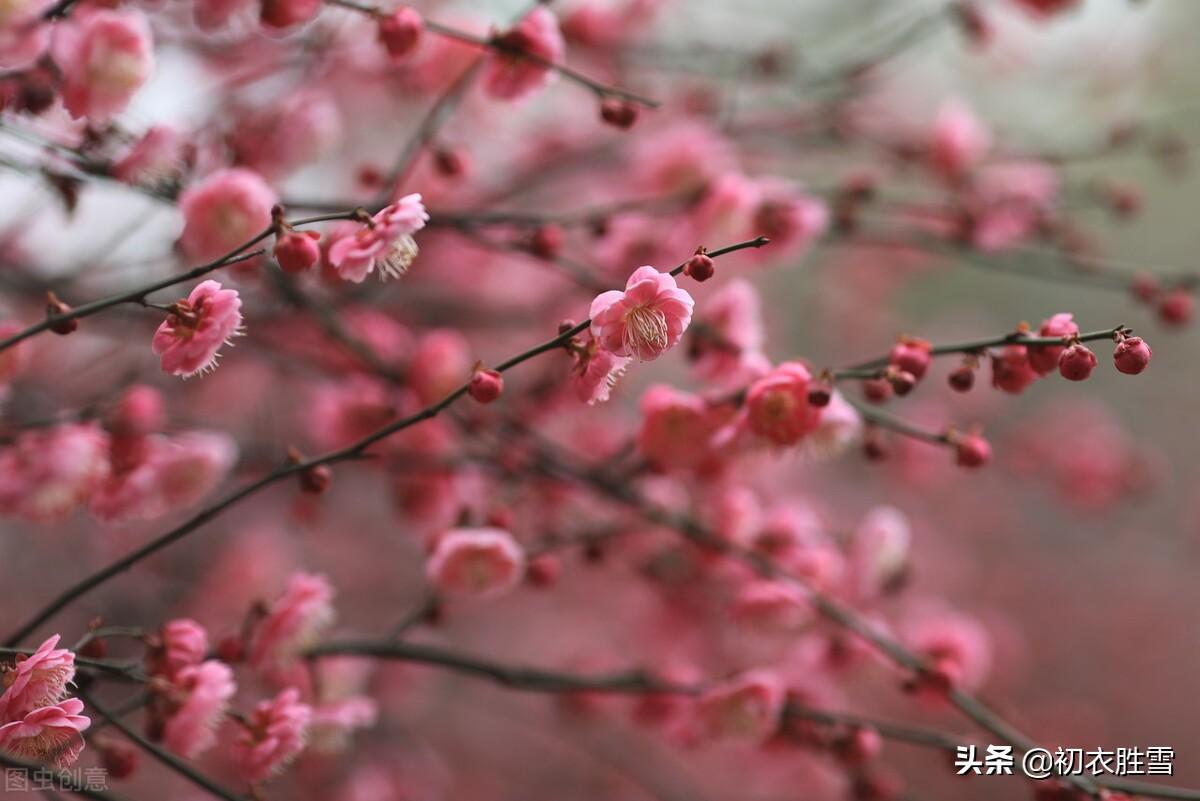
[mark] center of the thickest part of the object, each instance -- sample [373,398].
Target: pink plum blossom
[105,57]
[200,696]
[385,243]
[481,562]
[293,621]
[53,733]
[646,319]
[274,735]
[189,339]
[37,680]
[520,62]
[223,212]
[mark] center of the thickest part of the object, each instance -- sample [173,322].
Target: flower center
[645,331]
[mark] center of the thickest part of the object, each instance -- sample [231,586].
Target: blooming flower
[105,58]
[50,732]
[46,473]
[167,473]
[189,339]
[519,63]
[483,562]
[595,372]
[203,692]
[746,707]
[957,646]
[676,430]
[646,319]
[275,734]
[777,406]
[386,242]
[37,680]
[223,212]
[293,621]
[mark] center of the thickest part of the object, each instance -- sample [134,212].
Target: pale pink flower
[957,647]
[201,697]
[958,140]
[37,680]
[105,57]
[727,338]
[24,36]
[274,735]
[182,643]
[49,733]
[333,722]
[746,707]
[277,140]
[223,212]
[676,431]
[840,426]
[789,217]
[386,242]
[46,473]
[771,607]
[519,63]
[173,473]
[646,319]
[483,562]
[777,406]
[293,622]
[156,158]
[189,339]
[595,372]
[879,550]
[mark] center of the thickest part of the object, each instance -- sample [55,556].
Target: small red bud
[1145,287]
[449,163]
[1176,307]
[486,386]
[972,450]
[120,760]
[820,396]
[699,267]
[316,480]
[95,648]
[297,251]
[1132,355]
[231,650]
[1076,363]
[400,32]
[543,570]
[546,241]
[55,308]
[912,355]
[877,390]
[961,379]
[902,382]
[618,113]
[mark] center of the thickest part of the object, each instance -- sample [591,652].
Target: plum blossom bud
[481,562]
[962,378]
[286,13]
[1044,359]
[400,32]
[56,308]
[1011,371]
[189,339]
[912,356]
[972,450]
[546,241]
[297,251]
[120,760]
[958,140]
[747,707]
[902,381]
[699,267]
[646,319]
[449,162]
[105,58]
[1176,307]
[877,390]
[485,386]
[316,479]
[1076,363]
[618,112]
[1132,355]
[519,62]
[863,744]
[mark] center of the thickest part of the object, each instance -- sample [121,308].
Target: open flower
[483,562]
[275,734]
[188,340]
[294,621]
[37,680]
[521,57]
[645,320]
[105,58]
[24,35]
[224,211]
[777,406]
[595,372]
[746,707]
[385,242]
[183,643]
[52,733]
[202,696]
